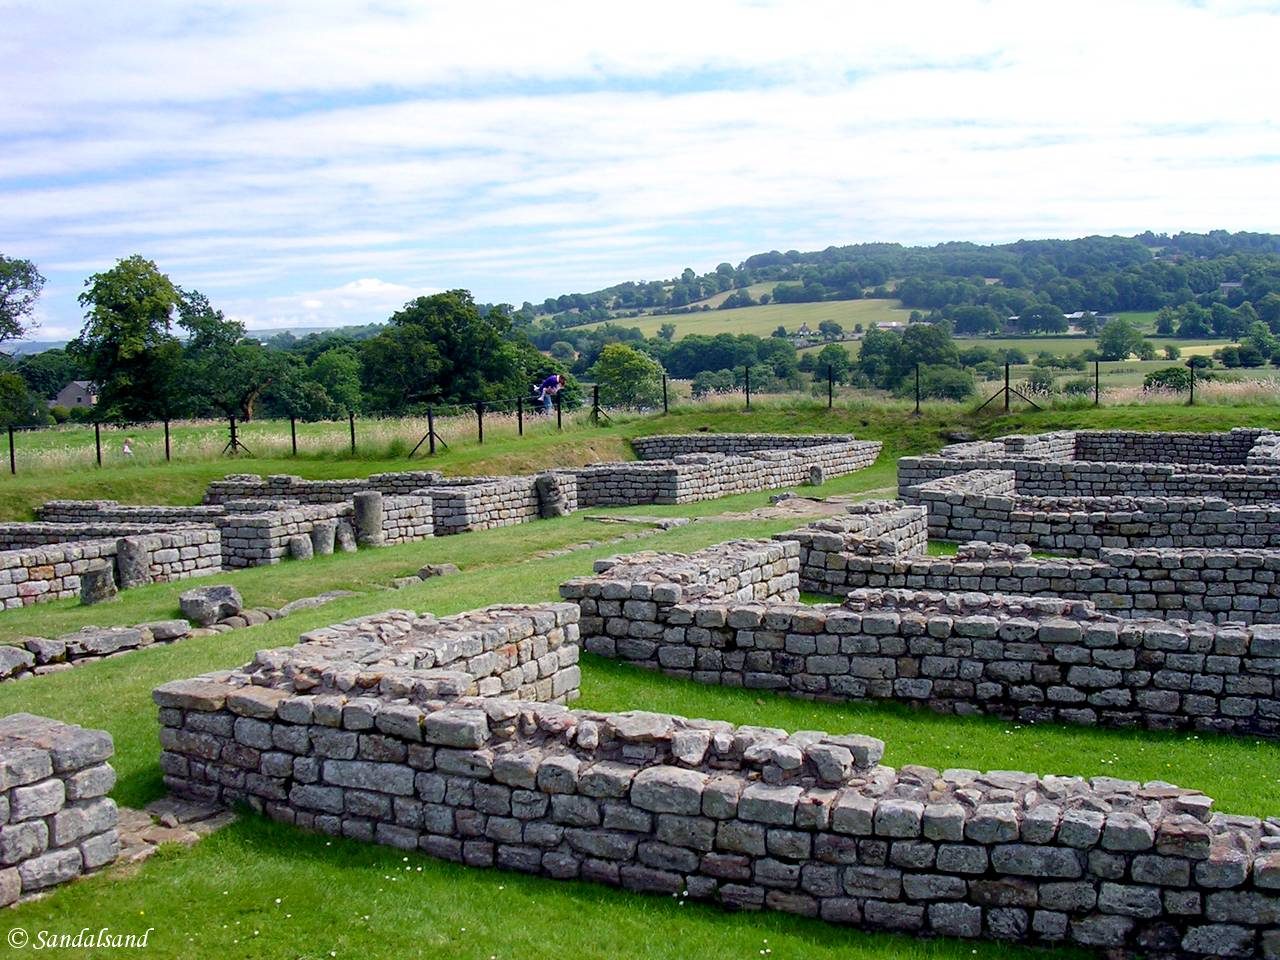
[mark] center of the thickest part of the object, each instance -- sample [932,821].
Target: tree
[1168,378]
[338,372]
[19,407]
[971,320]
[1172,351]
[49,371]
[940,383]
[833,357]
[1044,318]
[667,332]
[1118,339]
[627,377]
[780,332]
[224,370]
[830,329]
[712,381]
[1194,322]
[126,346]
[20,286]
[563,351]
[439,349]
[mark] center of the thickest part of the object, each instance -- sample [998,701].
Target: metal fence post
[1191,366]
[917,389]
[351,419]
[431,431]
[97,440]
[665,407]
[166,441]
[559,411]
[13,462]
[747,382]
[1006,388]
[595,404]
[831,387]
[293,433]
[480,421]
[1097,383]
[520,416]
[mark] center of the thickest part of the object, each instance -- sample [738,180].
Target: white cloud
[267,154]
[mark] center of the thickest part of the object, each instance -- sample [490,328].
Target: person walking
[544,394]
[127,450]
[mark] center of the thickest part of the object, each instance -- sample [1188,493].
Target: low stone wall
[36,574]
[748,817]
[1031,659]
[257,539]
[406,519]
[693,477]
[877,528]
[480,503]
[56,821]
[963,507]
[1233,585]
[289,487]
[38,656]
[1110,446]
[101,512]
[1237,466]
[669,446]
[629,598]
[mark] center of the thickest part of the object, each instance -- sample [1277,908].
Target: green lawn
[339,898]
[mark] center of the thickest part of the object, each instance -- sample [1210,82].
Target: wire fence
[98,444]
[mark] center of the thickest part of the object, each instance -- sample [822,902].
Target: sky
[319,164]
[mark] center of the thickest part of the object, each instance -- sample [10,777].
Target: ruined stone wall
[99,512]
[290,487]
[257,539]
[464,504]
[31,575]
[669,446]
[56,821]
[692,477]
[1031,659]
[1135,447]
[961,509]
[748,817]
[1230,585]
[407,518]
[877,528]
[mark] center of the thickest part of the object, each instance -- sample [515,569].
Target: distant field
[762,321]
[1059,346]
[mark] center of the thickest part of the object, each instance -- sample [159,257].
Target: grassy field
[762,321]
[263,890]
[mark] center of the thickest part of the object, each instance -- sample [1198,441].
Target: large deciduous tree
[627,377]
[127,346]
[223,368]
[440,349]
[20,286]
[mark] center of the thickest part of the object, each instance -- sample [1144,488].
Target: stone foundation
[364,739]
[1033,660]
[987,505]
[877,528]
[1231,585]
[56,821]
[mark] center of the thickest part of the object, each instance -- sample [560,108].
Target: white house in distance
[77,393]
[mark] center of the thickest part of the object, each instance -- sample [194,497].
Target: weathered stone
[97,583]
[208,605]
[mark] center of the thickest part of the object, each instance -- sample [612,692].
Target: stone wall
[1031,659]
[407,518]
[669,446]
[258,539]
[1238,466]
[56,821]
[692,477]
[961,508]
[480,503]
[36,574]
[289,487]
[874,529]
[1232,585]
[748,817]
[99,512]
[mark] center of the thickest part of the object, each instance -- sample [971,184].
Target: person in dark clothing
[544,394]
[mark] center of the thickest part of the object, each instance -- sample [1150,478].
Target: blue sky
[315,163]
